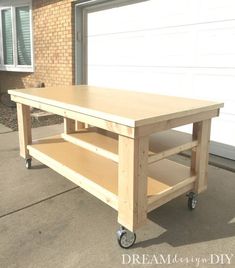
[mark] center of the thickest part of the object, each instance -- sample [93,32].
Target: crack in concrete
[36,203]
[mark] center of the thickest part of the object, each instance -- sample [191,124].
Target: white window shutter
[7,36]
[23,35]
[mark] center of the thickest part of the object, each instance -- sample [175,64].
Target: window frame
[15,67]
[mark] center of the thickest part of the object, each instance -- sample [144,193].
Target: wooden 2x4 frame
[119,169]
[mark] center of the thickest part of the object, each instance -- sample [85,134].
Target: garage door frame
[81,19]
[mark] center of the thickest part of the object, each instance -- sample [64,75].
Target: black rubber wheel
[192,201]
[28,163]
[126,239]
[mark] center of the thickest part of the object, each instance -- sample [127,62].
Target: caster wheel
[126,239]
[28,163]
[192,201]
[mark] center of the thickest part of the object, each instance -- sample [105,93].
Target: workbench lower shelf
[99,175]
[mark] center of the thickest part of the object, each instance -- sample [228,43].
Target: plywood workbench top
[119,106]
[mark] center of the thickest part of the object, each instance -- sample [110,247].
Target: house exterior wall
[53,27]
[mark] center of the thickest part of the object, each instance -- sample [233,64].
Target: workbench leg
[200,154]
[70,125]
[79,125]
[24,128]
[132,182]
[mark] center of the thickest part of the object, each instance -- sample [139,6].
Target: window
[16,38]
[7,36]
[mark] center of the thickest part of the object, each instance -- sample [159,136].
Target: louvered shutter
[7,36]
[23,36]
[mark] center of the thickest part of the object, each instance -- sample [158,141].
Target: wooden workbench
[112,159]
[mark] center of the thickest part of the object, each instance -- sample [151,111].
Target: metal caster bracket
[192,200]
[126,239]
[28,163]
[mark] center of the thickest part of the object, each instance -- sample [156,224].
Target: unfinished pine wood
[95,174]
[91,140]
[175,122]
[99,176]
[24,128]
[69,125]
[178,149]
[132,186]
[104,124]
[167,192]
[80,125]
[161,175]
[94,140]
[172,180]
[165,176]
[77,164]
[119,106]
[170,196]
[200,155]
[132,182]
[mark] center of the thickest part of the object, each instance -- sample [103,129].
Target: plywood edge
[85,183]
[156,193]
[170,190]
[130,120]
[175,122]
[98,122]
[75,108]
[178,192]
[170,116]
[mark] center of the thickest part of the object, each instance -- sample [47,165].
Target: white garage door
[173,47]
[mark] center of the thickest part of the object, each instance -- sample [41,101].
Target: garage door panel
[213,10]
[161,52]
[215,45]
[115,48]
[216,87]
[194,46]
[223,130]
[161,14]
[183,48]
[192,83]
[137,49]
[157,80]
[115,77]
[185,83]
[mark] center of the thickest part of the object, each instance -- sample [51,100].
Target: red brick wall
[53,28]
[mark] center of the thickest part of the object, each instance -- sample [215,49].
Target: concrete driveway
[48,222]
